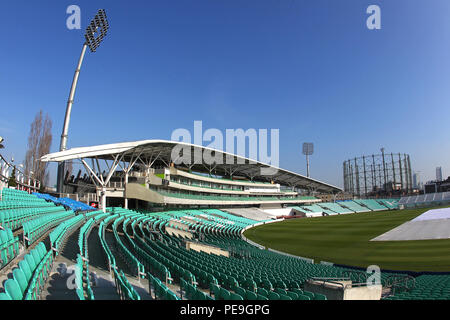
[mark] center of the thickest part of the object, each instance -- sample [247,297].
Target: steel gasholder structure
[378,173]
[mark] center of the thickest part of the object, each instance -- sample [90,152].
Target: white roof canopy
[159,152]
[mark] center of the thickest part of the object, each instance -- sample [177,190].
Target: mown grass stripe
[345,239]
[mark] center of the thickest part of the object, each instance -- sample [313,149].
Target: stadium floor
[345,239]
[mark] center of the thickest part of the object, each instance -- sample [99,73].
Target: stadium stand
[33,229]
[352,205]
[334,207]
[223,197]
[30,276]
[371,204]
[429,199]
[314,208]
[9,246]
[196,254]
[426,287]
[67,202]
[392,204]
[250,213]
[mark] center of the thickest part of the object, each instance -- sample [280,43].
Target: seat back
[21,279]
[4,296]
[273,296]
[23,265]
[12,288]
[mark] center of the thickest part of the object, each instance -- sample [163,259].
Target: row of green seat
[426,287]
[9,247]
[162,292]
[35,228]
[33,202]
[58,235]
[14,194]
[129,258]
[30,276]
[15,218]
[372,204]
[192,292]
[84,289]
[229,197]
[123,287]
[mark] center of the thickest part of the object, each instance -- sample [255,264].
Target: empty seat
[12,288]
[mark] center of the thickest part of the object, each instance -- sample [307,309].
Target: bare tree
[39,143]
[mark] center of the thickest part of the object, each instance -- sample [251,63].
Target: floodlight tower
[308,149]
[95,32]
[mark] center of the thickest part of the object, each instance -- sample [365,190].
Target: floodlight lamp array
[96,30]
[308,148]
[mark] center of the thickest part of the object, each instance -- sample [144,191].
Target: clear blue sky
[309,68]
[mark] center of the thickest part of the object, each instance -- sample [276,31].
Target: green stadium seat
[285,297]
[293,295]
[12,288]
[318,296]
[273,296]
[4,296]
[309,294]
[251,295]
[21,279]
[235,296]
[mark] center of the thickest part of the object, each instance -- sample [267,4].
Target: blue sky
[311,69]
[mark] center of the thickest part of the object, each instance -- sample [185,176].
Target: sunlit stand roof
[158,152]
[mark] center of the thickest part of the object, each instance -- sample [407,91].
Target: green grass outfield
[345,239]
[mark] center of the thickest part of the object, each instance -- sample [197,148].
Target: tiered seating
[301,209]
[128,256]
[192,292]
[427,287]
[33,229]
[84,289]
[371,204]
[335,207]
[314,208]
[251,213]
[58,235]
[70,203]
[124,289]
[142,240]
[261,271]
[29,278]
[391,204]
[13,194]
[162,292]
[18,207]
[75,205]
[224,197]
[9,246]
[354,206]
[437,198]
[46,197]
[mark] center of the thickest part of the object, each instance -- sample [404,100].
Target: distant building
[437,186]
[439,174]
[416,181]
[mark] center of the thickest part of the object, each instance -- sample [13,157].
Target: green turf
[345,239]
